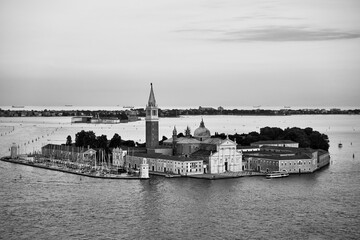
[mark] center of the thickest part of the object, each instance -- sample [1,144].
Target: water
[36,203]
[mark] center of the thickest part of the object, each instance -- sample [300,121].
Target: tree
[162,140]
[101,142]
[270,133]
[128,143]
[180,135]
[297,135]
[319,140]
[115,141]
[85,139]
[68,141]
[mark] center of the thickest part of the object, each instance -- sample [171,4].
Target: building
[226,158]
[289,159]
[202,133]
[74,154]
[276,143]
[152,122]
[81,119]
[165,163]
[118,157]
[185,155]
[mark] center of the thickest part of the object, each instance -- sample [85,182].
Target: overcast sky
[195,52]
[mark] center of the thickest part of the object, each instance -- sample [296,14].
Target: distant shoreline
[140,112]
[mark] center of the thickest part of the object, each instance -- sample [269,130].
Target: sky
[195,52]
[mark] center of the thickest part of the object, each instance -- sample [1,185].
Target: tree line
[307,137]
[89,139]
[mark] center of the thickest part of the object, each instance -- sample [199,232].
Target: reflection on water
[36,203]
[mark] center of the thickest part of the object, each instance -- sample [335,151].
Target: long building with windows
[289,159]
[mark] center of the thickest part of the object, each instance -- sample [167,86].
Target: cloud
[274,34]
[285,33]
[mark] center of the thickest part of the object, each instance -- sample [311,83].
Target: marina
[94,174]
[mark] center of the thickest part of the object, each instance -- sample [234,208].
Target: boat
[131,107]
[277,174]
[17,106]
[340,145]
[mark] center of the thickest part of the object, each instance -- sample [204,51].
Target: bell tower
[152,121]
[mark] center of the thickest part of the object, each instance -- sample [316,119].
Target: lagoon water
[41,204]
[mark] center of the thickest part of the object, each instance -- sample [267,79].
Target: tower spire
[152,121]
[202,123]
[174,131]
[152,101]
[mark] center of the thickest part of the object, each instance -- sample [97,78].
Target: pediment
[228,142]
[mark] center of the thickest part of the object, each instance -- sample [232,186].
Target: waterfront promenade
[126,176]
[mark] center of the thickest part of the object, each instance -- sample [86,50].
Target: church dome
[202,133]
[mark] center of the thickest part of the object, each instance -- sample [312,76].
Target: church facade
[187,155]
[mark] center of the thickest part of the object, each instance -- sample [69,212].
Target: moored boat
[277,174]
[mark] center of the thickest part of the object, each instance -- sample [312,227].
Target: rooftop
[164,157]
[274,142]
[266,155]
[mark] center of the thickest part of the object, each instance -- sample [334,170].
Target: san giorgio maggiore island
[199,156]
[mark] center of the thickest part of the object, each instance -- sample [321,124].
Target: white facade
[226,159]
[181,167]
[118,157]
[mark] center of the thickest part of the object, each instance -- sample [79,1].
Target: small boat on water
[340,145]
[277,174]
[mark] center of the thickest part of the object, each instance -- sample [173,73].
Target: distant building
[206,108]
[81,119]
